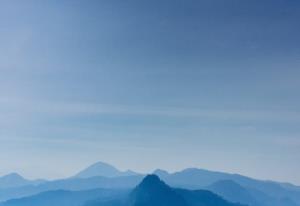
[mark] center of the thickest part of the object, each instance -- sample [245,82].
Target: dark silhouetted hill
[152,191]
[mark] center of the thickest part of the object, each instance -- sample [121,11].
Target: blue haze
[150,84]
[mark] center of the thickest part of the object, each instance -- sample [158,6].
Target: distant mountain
[161,173]
[65,198]
[154,192]
[104,170]
[15,180]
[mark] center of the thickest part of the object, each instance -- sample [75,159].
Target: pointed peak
[101,164]
[98,169]
[151,178]
[152,181]
[152,191]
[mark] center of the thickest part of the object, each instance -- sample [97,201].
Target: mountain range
[232,187]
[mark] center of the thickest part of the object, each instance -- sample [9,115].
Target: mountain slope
[103,169]
[203,198]
[233,192]
[270,192]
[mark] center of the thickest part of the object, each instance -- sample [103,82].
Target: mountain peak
[153,191]
[102,164]
[152,183]
[152,180]
[103,169]
[98,169]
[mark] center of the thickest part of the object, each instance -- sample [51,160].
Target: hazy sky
[150,84]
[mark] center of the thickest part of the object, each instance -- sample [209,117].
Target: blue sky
[150,84]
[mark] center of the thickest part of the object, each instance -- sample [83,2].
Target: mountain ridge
[264,192]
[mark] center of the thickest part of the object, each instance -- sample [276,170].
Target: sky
[142,84]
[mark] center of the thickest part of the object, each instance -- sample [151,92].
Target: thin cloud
[19,106]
